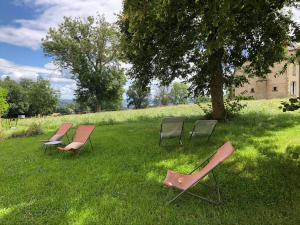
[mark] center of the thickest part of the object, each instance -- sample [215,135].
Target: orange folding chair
[60,133]
[186,182]
[82,136]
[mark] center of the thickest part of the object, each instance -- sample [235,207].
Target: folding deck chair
[82,136]
[186,182]
[60,133]
[203,128]
[171,128]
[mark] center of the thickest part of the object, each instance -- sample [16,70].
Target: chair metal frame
[215,186]
[209,136]
[180,136]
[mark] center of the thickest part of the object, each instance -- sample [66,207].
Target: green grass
[120,182]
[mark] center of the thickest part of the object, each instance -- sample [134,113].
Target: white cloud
[59,80]
[29,32]
[296,15]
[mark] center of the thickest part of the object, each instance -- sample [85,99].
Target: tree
[179,93]
[4,106]
[16,98]
[90,50]
[138,96]
[203,41]
[43,100]
[162,96]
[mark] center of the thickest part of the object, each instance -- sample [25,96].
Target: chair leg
[180,140]
[160,140]
[177,196]
[212,201]
[91,144]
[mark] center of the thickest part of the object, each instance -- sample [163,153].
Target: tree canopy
[179,93]
[138,96]
[204,41]
[90,51]
[3,103]
[29,98]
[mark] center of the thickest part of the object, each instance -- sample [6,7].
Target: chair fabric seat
[171,134]
[73,146]
[56,137]
[177,180]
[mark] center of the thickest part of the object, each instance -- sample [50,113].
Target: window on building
[293,88]
[275,89]
[252,90]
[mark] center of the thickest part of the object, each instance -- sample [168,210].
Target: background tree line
[139,97]
[29,98]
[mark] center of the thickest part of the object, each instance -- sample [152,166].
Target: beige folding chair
[171,128]
[186,182]
[203,128]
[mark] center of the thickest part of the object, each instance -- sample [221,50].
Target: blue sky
[23,23]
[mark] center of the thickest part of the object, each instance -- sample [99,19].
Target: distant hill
[65,101]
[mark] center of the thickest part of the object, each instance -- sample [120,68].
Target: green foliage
[204,41]
[65,109]
[138,96]
[202,99]
[42,99]
[179,93]
[89,49]
[30,98]
[162,96]
[291,105]
[4,106]
[233,108]
[242,97]
[33,130]
[17,98]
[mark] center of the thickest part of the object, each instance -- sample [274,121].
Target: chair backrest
[173,126]
[83,133]
[61,132]
[204,126]
[219,157]
[64,128]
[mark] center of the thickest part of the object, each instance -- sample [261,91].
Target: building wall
[273,86]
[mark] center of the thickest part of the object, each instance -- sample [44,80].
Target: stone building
[281,86]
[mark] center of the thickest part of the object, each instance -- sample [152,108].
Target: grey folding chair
[203,128]
[171,128]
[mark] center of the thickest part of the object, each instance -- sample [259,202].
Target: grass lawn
[120,181]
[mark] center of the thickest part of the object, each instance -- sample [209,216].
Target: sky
[23,23]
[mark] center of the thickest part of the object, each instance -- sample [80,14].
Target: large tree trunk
[217,85]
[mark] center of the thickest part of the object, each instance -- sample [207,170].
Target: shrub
[233,108]
[33,130]
[291,105]
[242,97]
